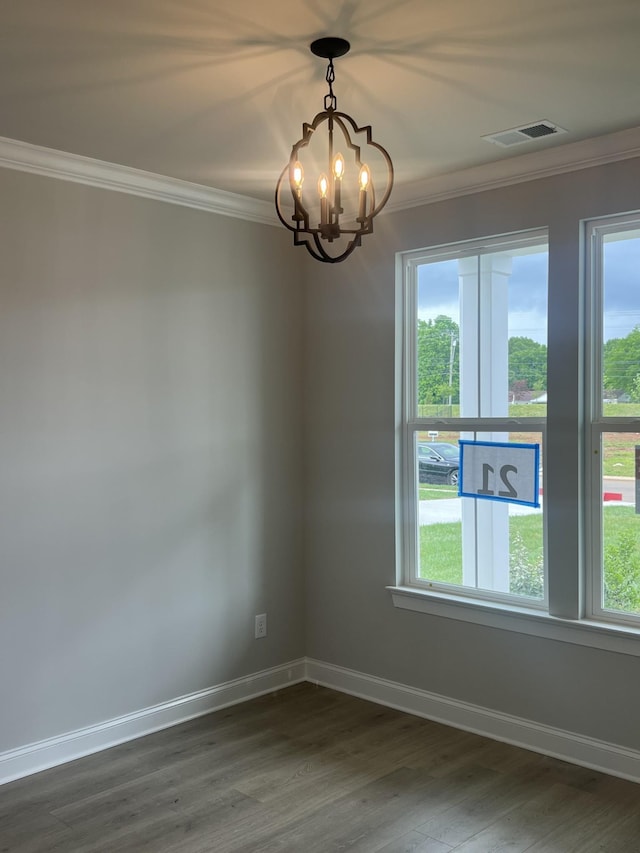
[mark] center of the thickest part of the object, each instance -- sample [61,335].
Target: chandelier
[331,217]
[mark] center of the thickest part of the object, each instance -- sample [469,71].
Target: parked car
[439,462]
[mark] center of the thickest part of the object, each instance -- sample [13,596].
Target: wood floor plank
[127,762]
[376,813]
[354,818]
[41,834]
[175,781]
[414,842]
[515,830]
[309,770]
[601,828]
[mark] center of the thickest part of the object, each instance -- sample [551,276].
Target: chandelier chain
[330,100]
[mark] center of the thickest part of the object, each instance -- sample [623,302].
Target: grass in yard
[441,553]
[618,453]
[621,539]
[530,410]
[437,491]
[621,410]
[516,410]
[441,556]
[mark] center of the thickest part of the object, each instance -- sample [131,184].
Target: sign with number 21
[500,471]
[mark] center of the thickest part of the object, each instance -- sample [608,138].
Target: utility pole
[452,351]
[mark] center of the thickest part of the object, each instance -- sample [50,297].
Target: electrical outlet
[261,626]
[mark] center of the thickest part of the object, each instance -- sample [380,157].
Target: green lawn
[440,544]
[437,491]
[441,556]
[621,535]
[441,553]
[621,410]
[530,410]
[618,453]
[516,410]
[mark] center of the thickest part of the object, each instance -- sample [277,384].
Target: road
[626,486]
[449,509]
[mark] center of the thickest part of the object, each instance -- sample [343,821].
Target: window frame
[599,423]
[569,617]
[411,424]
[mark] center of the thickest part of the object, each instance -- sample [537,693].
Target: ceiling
[215,92]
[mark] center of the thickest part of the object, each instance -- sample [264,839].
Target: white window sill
[583,632]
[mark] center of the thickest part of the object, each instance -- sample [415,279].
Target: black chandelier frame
[330,228]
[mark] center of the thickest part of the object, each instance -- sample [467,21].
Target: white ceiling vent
[526,133]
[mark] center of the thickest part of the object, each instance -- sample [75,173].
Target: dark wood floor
[309,770]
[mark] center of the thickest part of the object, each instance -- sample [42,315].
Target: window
[472,366]
[475,368]
[614,451]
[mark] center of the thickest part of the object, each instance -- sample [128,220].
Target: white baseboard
[577,749]
[58,750]
[567,746]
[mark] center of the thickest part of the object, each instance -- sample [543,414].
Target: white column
[484,388]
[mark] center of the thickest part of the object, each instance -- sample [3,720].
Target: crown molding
[97,173]
[570,157]
[25,157]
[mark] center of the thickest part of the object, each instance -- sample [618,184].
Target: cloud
[621,287]
[439,293]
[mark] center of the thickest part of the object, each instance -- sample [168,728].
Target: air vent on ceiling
[526,133]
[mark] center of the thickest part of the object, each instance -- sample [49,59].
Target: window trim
[599,423]
[576,625]
[620,638]
[408,422]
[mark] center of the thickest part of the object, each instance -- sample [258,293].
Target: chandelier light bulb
[298,176]
[323,185]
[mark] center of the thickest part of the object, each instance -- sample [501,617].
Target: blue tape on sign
[503,471]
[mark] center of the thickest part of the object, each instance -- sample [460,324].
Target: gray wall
[175,387]
[150,377]
[349,439]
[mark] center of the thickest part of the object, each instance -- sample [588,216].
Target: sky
[438,291]
[622,287]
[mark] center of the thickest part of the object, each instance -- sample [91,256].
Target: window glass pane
[527,321]
[620,523]
[479,338]
[438,353]
[481,335]
[621,324]
[473,543]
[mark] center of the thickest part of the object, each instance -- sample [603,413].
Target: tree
[438,360]
[527,363]
[621,363]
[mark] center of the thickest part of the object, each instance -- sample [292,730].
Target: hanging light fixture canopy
[342,168]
